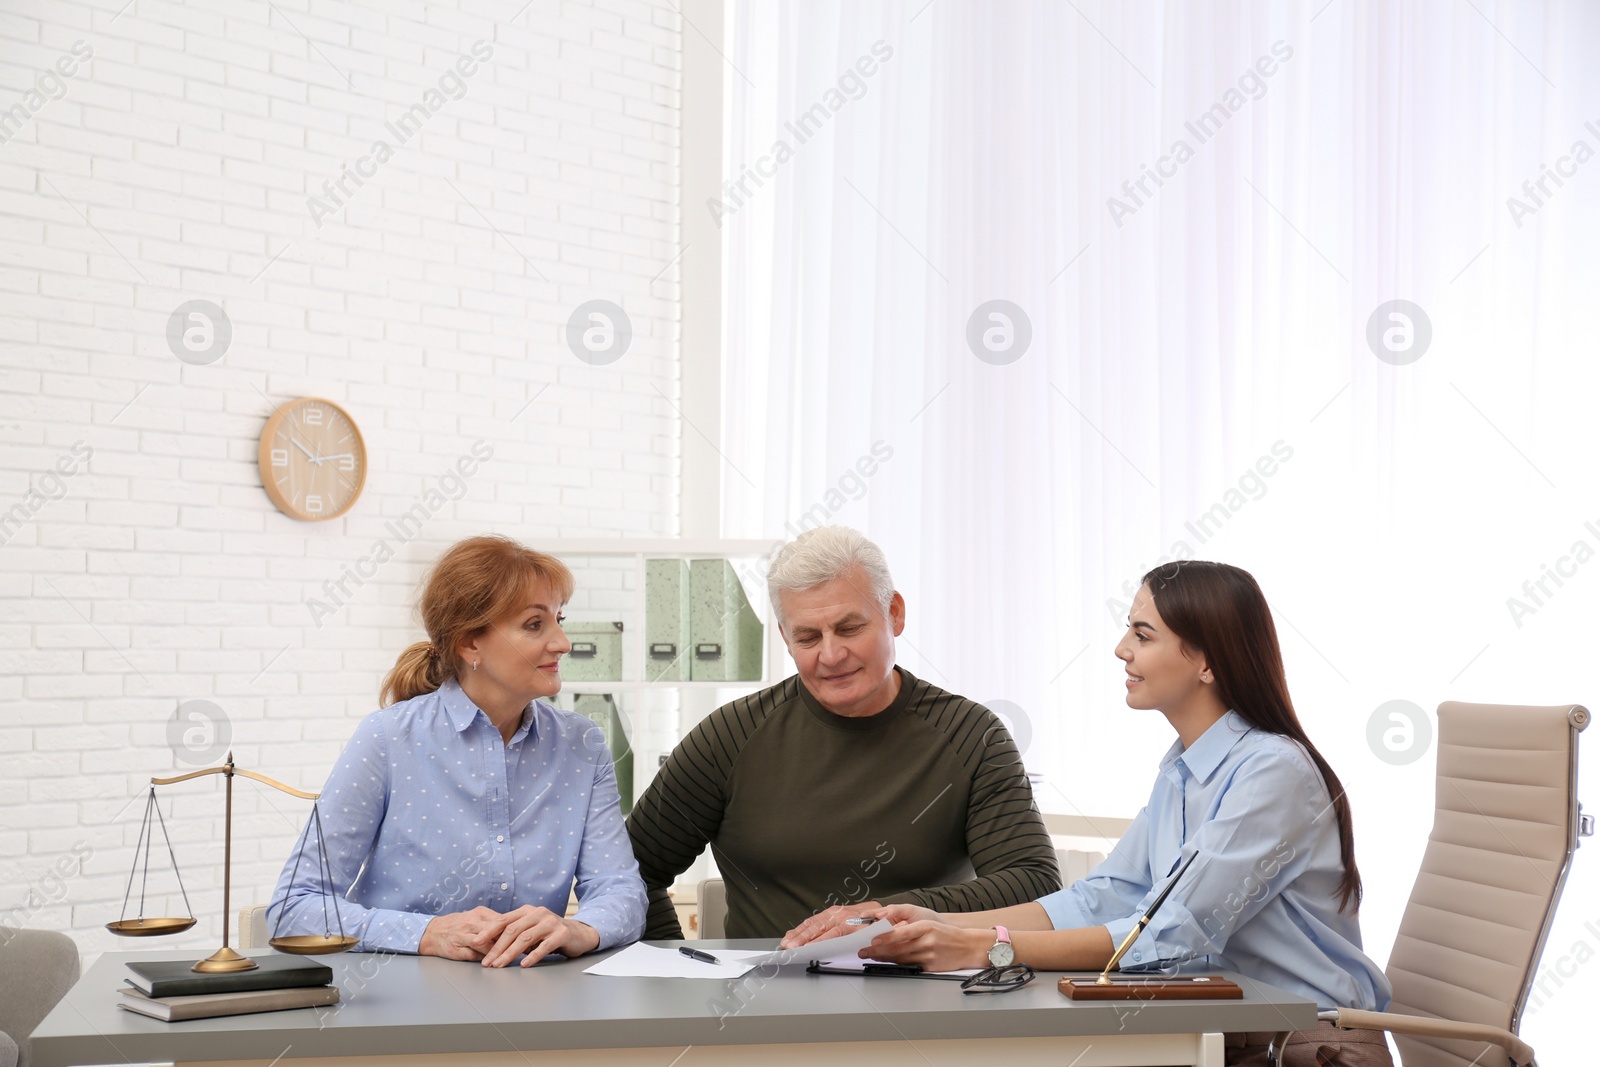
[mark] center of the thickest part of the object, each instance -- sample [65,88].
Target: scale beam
[226,769]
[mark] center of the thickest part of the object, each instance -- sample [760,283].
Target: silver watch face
[1002,954]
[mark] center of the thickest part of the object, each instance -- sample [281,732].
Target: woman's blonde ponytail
[418,670]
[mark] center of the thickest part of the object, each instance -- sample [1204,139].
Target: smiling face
[518,657]
[843,643]
[1161,673]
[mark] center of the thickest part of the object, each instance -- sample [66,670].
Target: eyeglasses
[998,979]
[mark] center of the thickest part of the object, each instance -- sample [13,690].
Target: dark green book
[177,978]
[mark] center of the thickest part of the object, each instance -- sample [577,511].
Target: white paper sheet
[652,961]
[842,948]
[643,960]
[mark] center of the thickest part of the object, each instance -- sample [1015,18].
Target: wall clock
[312,459]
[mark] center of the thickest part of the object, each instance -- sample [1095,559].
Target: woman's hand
[462,935]
[936,946]
[533,933]
[906,913]
[828,923]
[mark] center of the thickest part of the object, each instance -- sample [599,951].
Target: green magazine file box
[727,637]
[601,709]
[596,654]
[666,621]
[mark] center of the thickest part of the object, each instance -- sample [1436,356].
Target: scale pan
[149,927]
[313,944]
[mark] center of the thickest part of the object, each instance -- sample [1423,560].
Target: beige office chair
[1505,824]
[253,932]
[37,968]
[711,907]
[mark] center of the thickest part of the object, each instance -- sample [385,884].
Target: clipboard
[884,970]
[1136,987]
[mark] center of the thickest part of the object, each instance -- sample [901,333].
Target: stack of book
[172,991]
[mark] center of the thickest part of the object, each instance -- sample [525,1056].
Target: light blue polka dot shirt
[428,811]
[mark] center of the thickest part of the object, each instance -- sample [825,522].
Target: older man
[852,784]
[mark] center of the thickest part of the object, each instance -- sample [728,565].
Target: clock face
[312,459]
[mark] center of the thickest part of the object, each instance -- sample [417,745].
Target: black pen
[1144,920]
[696,954]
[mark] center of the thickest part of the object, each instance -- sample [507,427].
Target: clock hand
[296,442]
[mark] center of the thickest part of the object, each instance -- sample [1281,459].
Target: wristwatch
[1002,954]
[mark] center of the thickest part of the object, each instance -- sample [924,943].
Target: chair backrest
[1076,863]
[1505,825]
[253,932]
[37,967]
[711,902]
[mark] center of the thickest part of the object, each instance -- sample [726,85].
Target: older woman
[458,816]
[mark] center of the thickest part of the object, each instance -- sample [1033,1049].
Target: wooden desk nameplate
[1130,987]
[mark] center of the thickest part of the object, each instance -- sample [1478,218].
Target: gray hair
[823,554]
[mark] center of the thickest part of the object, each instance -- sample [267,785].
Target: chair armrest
[1355,1019]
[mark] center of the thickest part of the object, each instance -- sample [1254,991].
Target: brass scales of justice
[225,959]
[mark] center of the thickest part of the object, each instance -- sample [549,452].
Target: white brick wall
[176,165]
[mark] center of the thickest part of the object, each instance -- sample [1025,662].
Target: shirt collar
[463,712]
[862,722]
[1202,758]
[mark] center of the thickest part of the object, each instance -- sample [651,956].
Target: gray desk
[433,1011]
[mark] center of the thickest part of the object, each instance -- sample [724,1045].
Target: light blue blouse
[1262,899]
[429,811]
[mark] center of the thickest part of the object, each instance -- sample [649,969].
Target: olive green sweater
[925,802]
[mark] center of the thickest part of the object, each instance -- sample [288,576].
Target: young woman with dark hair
[458,817]
[1274,891]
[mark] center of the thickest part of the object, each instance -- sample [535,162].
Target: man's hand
[462,935]
[829,923]
[935,946]
[534,932]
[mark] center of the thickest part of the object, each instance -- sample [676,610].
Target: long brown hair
[1220,610]
[475,583]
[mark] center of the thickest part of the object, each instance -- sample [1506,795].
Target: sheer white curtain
[1197,210]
